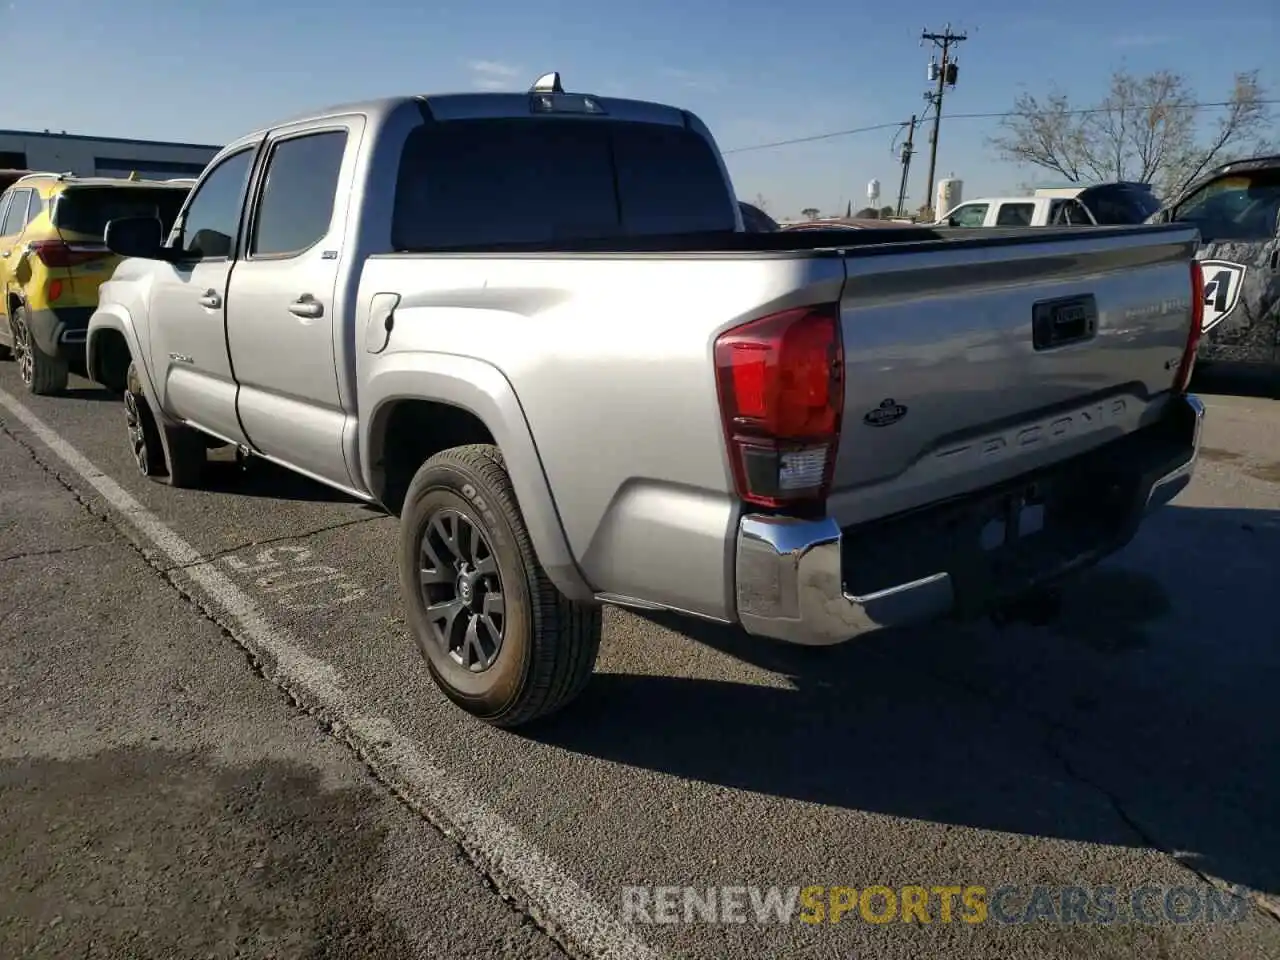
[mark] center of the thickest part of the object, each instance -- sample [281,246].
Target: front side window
[969,215]
[296,206]
[213,215]
[1243,207]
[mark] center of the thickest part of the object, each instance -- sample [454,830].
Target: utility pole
[908,149]
[946,77]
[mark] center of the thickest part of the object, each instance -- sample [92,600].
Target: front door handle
[7,254]
[307,306]
[211,300]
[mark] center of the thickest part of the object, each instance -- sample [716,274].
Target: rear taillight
[57,253]
[781,383]
[1183,378]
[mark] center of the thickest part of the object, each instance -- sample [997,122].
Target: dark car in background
[756,220]
[1120,203]
[1237,208]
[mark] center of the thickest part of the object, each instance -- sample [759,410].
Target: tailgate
[971,361]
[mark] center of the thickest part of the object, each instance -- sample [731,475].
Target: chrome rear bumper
[790,584]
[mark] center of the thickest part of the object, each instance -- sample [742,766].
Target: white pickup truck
[1097,205]
[533,325]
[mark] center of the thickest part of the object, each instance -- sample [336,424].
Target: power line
[819,136]
[962,116]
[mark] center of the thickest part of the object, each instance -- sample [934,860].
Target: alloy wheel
[137,435]
[461,589]
[22,350]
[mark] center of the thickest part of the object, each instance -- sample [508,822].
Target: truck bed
[825,242]
[609,348]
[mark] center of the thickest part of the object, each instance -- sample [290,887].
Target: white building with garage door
[101,156]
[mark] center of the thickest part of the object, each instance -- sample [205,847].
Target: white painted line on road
[548,890]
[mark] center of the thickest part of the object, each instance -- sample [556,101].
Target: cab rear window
[88,210]
[474,183]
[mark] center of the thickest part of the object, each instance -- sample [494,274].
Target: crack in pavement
[55,551]
[283,538]
[1054,728]
[331,727]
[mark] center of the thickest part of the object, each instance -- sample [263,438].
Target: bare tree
[1148,129]
[810,213]
[761,202]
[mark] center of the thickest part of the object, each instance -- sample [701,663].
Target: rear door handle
[211,300]
[307,306]
[7,254]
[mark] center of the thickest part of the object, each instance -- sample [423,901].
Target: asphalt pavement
[216,734]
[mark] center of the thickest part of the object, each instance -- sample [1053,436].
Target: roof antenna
[547,83]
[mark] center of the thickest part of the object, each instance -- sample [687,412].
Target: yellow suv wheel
[43,375]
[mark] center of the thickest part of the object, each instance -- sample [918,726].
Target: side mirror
[136,237]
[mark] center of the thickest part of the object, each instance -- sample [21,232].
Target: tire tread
[566,635]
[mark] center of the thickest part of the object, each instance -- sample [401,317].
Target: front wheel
[170,454]
[499,639]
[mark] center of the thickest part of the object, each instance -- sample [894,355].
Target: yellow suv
[52,260]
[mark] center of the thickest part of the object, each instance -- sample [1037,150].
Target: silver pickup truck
[533,326]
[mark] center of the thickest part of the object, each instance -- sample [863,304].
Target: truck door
[189,362]
[1239,221]
[282,317]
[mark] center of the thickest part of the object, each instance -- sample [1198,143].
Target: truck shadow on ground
[1144,717]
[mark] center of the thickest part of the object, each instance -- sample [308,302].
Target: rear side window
[475,183]
[15,217]
[88,210]
[1015,214]
[297,200]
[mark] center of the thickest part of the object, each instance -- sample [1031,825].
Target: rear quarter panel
[611,361]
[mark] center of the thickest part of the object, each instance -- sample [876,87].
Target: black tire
[144,435]
[545,645]
[43,375]
[175,455]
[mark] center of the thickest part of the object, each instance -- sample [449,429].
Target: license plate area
[1066,320]
[998,541]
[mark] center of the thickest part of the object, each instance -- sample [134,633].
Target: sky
[755,71]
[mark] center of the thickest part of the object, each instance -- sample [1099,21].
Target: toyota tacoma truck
[533,326]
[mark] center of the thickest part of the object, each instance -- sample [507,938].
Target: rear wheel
[43,374]
[499,639]
[175,455]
